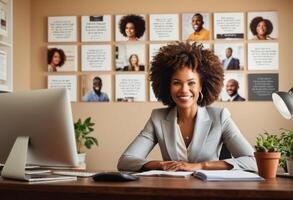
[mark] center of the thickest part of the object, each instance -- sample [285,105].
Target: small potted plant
[286,146]
[267,155]
[83,138]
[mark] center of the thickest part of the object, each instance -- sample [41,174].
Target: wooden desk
[148,188]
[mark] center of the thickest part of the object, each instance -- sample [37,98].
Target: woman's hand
[180,166]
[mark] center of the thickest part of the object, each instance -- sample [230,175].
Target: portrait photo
[130,57]
[231,55]
[96,88]
[196,26]
[62,58]
[130,27]
[262,25]
[234,88]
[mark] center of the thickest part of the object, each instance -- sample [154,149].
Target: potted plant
[267,155]
[286,146]
[83,138]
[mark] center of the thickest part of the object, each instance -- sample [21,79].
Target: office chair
[225,153]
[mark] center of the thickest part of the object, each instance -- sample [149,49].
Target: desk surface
[148,188]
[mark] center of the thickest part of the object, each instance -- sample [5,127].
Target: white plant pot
[289,163]
[81,157]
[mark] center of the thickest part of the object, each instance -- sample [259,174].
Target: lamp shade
[284,102]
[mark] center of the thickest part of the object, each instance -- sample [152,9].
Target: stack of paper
[165,173]
[226,175]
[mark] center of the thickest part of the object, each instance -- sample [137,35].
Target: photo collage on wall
[111,60]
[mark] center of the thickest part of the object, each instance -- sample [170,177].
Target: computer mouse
[114,177]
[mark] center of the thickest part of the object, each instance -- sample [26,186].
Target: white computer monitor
[45,117]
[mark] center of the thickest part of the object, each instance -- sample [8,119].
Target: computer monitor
[45,117]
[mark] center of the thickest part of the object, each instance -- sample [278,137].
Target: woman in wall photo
[56,58]
[190,133]
[261,28]
[133,64]
[132,27]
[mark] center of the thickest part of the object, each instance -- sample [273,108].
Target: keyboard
[74,173]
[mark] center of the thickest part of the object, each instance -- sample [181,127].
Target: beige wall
[21,44]
[118,123]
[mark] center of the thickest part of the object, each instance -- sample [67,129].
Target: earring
[199,100]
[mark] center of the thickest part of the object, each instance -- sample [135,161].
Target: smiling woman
[132,27]
[190,134]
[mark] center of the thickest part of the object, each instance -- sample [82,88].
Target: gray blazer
[213,127]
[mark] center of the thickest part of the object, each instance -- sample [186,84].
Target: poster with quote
[229,25]
[3,65]
[234,88]
[263,56]
[70,53]
[154,49]
[262,25]
[3,19]
[130,27]
[96,28]
[190,26]
[130,57]
[231,55]
[130,87]
[164,27]
[62,29]
[261,86]
[96,88]
[67,81]
[96,57]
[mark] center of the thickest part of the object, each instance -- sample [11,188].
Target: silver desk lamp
[284,102]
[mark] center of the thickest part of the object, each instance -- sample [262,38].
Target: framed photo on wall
[231,55]
[196,26]
[262,25]
[96,88]
[62,58]
[130,57]
[234,88]
[130,27]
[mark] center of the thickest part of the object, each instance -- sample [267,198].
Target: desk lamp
[284,102]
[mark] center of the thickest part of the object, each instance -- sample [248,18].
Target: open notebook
[207,175]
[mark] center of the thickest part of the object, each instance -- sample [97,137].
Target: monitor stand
[14,167]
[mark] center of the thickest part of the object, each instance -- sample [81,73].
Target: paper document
[165,173]
[226,175]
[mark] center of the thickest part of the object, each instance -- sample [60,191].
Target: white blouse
[182,151]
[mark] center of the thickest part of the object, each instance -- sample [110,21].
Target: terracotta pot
[267,163]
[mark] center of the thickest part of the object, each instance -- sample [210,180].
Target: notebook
[226,175]
[178,174]
[48,178]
